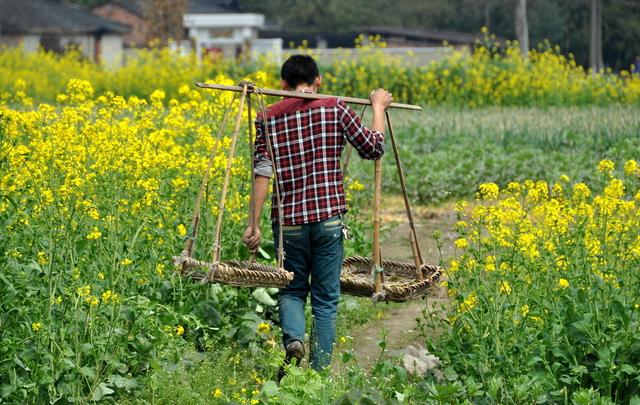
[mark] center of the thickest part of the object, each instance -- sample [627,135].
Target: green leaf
[122,382]
[628,369]
[262,296]
[264,253]
[450,374]
[88,372]
[270,389]
[100,392]
[20,363]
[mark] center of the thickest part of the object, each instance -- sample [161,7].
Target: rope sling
[382,280]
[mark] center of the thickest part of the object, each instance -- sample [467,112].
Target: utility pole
[595,46]
[522,28]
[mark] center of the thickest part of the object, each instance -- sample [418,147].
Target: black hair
[299,69]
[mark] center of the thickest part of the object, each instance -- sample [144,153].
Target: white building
[224,32]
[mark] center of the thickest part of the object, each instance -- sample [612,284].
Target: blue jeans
[314,253]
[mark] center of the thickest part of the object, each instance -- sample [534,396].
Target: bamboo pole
[252,203]
[377,258]
[417,256]
[227,175]
[308,96]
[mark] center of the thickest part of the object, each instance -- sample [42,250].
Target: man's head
[300,70]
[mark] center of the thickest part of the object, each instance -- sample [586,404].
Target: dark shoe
[294,350]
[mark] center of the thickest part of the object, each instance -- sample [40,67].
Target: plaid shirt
[307,137]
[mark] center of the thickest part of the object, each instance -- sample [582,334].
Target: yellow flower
[92,300]
[84,291]
[43,259]
[606,166]
[179,330]
[101,276]
[356,186]
[505,287]
[217,393]
[264,327]
[342,340]
[469,303]
[490,263]
[106,296]
[126,261]
[36,326]
[160,269]
[488,191]
[564,178]
[524,310]
[94,234]
[631,167]
[563,283]
[581,191]
[461,243]
[182,230]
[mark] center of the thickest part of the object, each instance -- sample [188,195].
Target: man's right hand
[252,238]
[381,99]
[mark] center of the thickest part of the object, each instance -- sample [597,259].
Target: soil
[398,324]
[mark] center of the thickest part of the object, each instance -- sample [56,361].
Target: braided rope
[235,273]
[400,286]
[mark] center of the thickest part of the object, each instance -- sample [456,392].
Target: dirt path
[399,322]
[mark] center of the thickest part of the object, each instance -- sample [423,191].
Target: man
[307,138]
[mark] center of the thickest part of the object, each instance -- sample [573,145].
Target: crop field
[99,171]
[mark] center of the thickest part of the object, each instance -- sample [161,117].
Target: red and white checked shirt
[307,137]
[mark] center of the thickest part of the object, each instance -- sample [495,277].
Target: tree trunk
[595,48]
[522,28]
[487,14]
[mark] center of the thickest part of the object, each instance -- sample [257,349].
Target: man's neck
[305,88]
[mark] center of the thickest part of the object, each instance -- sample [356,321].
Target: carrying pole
[308,96]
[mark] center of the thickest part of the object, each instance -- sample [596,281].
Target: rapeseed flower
[606,166]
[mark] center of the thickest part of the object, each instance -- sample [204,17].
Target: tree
[165,19]
[522,29]
[595,41]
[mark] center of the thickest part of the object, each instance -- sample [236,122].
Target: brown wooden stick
[227,176]
[252,203]
[309,96]
[403,186]
[377,259]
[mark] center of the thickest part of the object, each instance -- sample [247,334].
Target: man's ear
[284,84]
[318,81]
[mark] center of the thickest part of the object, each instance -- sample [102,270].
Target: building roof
[211,7]
[451,37]
[346,39]
[52,17]
[132,6]
[193,7]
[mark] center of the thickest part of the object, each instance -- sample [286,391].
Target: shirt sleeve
[368,143]
[261,158]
